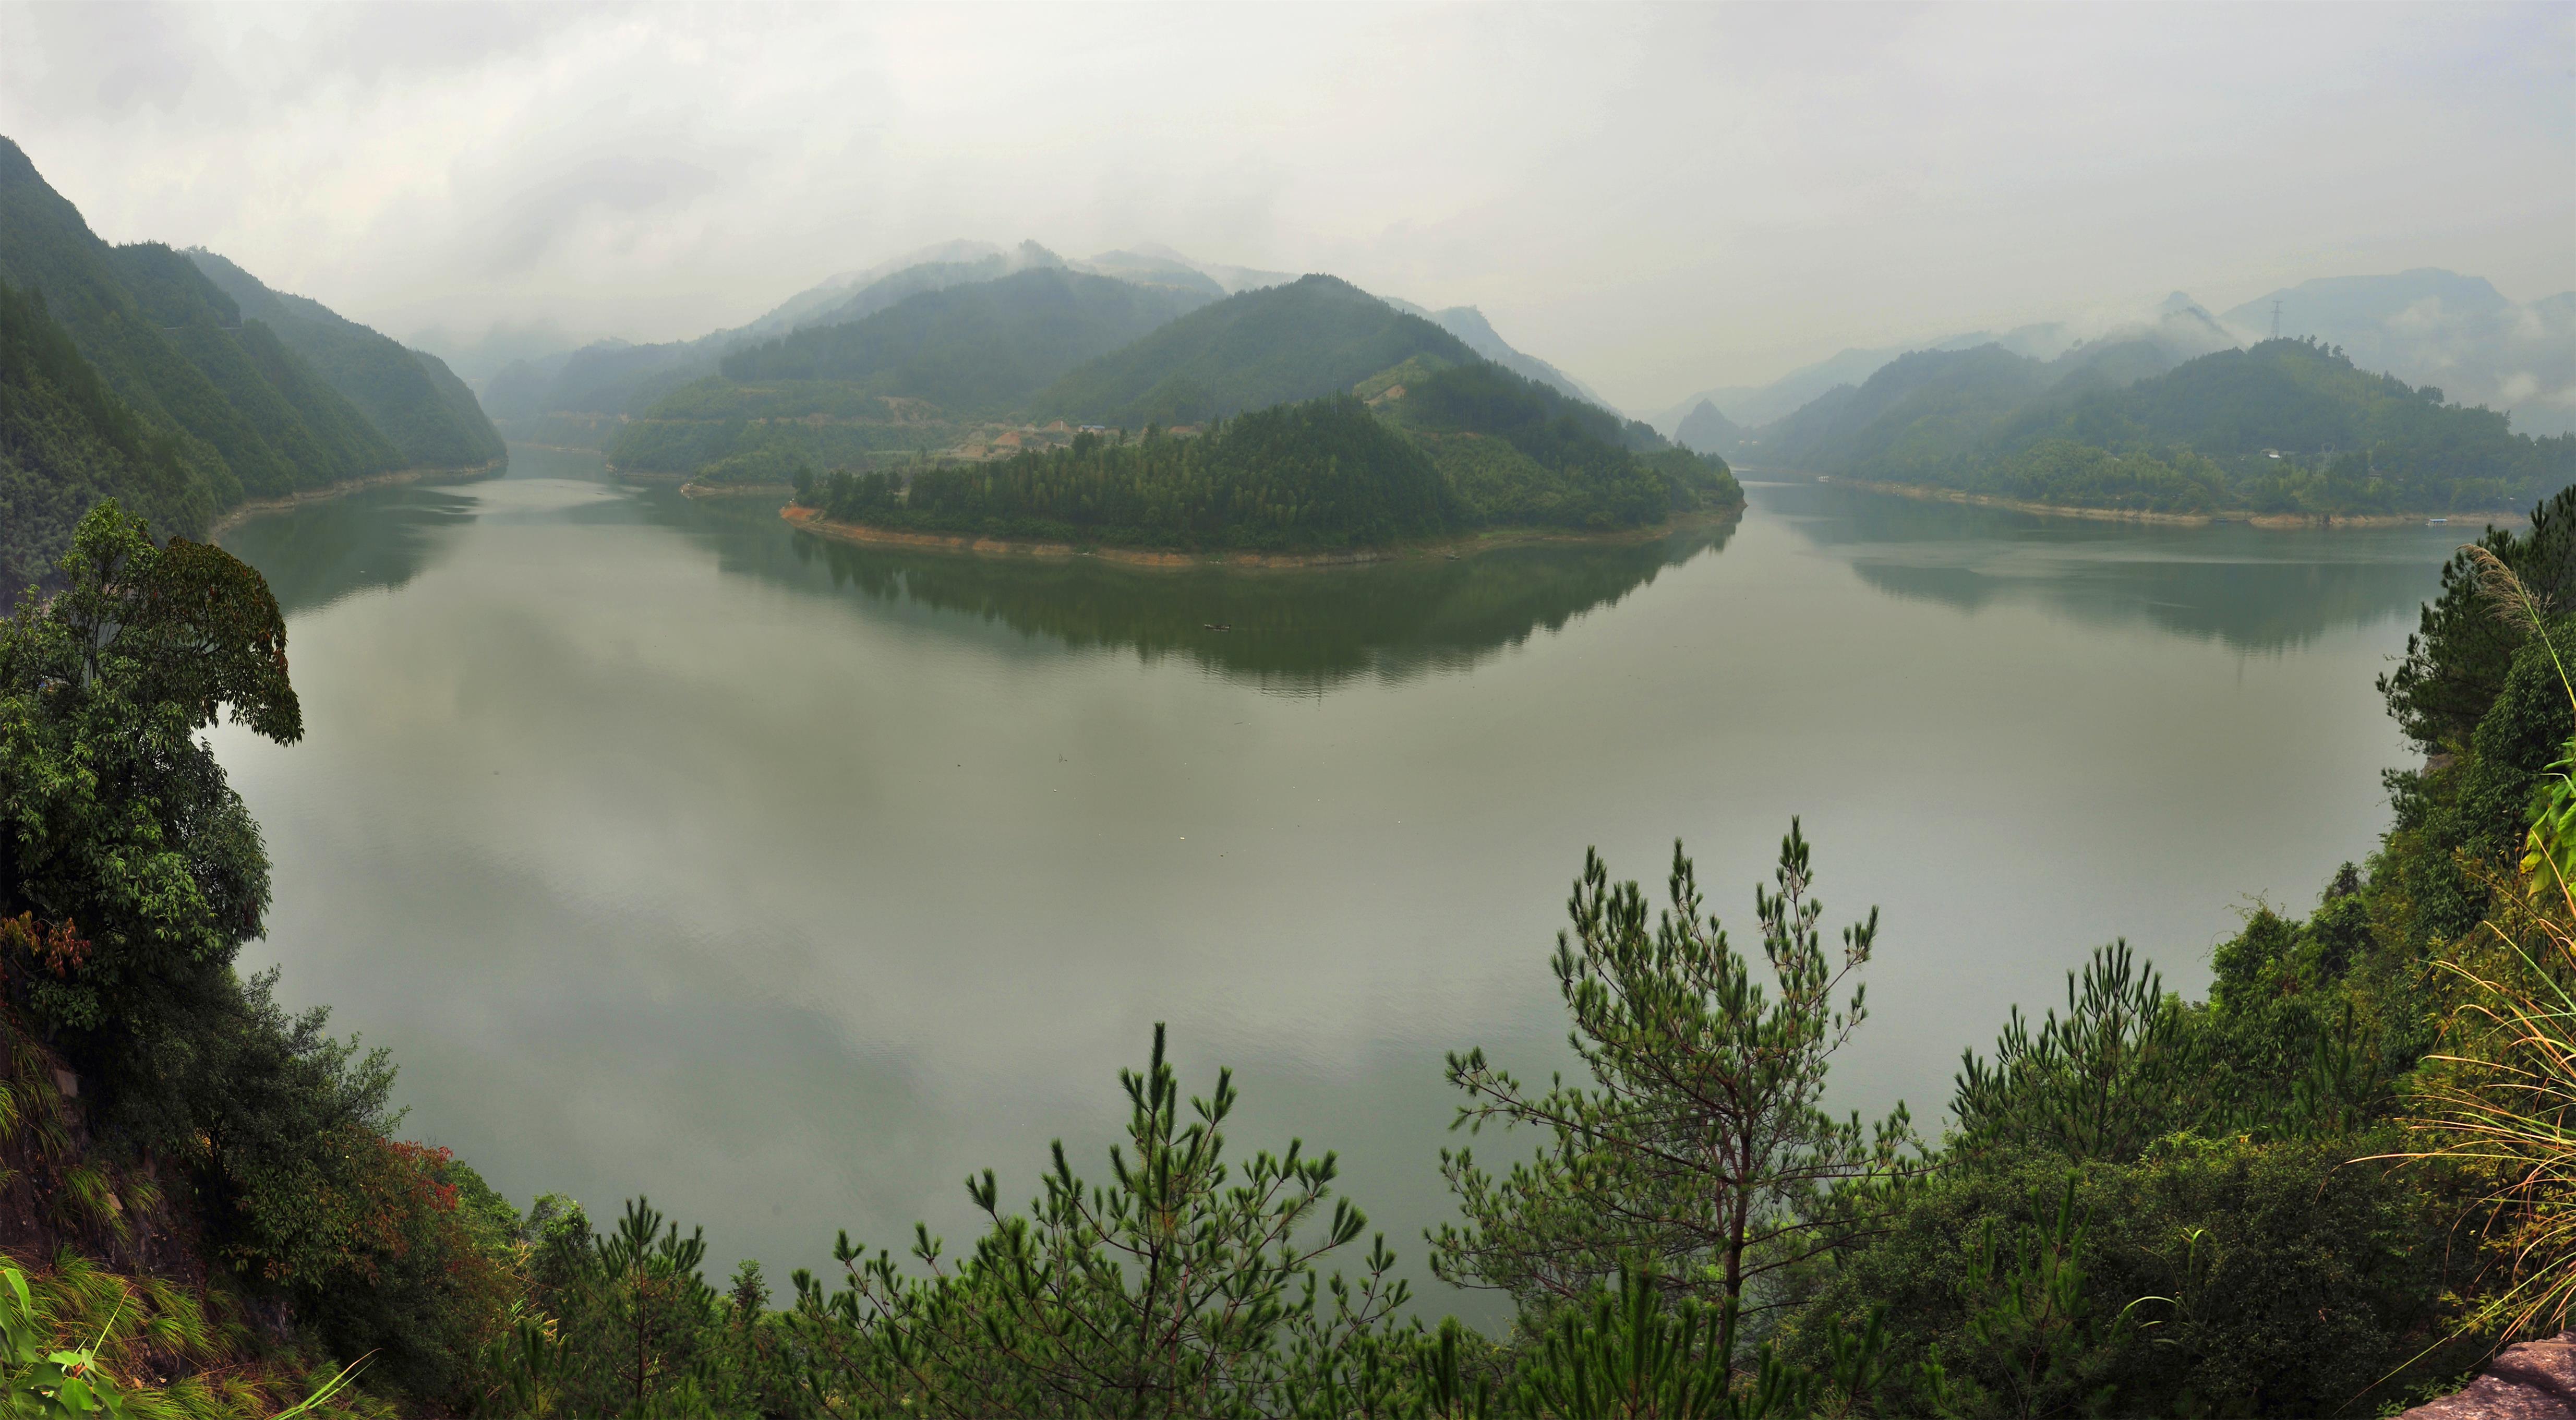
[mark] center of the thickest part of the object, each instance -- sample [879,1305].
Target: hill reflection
[1301,630]
[371,539]
[2251,588]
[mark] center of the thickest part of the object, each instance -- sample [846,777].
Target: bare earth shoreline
[1926,494]
[808,520]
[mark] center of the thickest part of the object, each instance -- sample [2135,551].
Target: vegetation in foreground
[2327,1189]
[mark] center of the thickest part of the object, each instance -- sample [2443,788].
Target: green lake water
[789,882]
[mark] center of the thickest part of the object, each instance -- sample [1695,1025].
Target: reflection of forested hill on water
[315,553]
[2252,588]
[1310,628]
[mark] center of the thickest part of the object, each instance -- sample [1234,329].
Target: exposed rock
[2533,1380]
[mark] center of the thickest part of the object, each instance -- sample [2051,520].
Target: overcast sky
[1657,199]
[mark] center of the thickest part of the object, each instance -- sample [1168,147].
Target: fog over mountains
[2426,327]
[616,378]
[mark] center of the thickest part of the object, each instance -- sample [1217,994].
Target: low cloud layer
[1658,200]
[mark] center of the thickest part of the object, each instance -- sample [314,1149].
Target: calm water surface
[790,882]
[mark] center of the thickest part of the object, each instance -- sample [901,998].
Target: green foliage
[1323,474]
[114,821]
[39,1379]
[1629,1353]
[628,1326]
[1186,1285]
[2206,1277]
[2126,1064]
[1700,1145]
[1518,452]
[68,443]
[1312,337]
[2456,662]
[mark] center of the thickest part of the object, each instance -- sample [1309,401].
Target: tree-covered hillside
[1311,337]
[67,443]
[2289,426]
[411,397]
[177,348]
[1467,447]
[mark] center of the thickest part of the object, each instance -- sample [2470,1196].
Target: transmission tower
[2276,320]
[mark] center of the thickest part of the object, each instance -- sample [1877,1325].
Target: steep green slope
[1311,337]
[174,346]
[410,397]
[67,442]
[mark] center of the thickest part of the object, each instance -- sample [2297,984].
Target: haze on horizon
[1657,200]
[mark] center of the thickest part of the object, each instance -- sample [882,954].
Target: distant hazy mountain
[2177,323]
[1149,270]
[2437,327]
[975,346]
[1707,430]
[1470,326]
[412,398]
[2290,426]
[607,381]
[1316,335]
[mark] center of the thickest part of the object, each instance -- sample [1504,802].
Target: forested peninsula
[180,385]
[1323,475]
[2289,431]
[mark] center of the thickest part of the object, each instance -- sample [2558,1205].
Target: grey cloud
[1656,199]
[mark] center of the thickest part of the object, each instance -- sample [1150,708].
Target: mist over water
[789,882]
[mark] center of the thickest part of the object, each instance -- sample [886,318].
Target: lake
[791,882]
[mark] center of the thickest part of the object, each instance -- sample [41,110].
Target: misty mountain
[2290,426]
[1150,270]
[1470,326]
[606,381]
[581,395]
[1707,430]
[252,416]
[978,346]
[1317,335]
[2177,323]
[900,379]
[914,278]
[412,398]
[2436,327]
